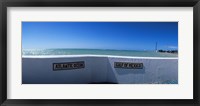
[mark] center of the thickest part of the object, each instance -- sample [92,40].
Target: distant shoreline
[168,51]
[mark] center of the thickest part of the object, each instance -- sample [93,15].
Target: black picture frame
[99,3]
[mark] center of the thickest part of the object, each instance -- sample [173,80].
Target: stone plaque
[68,65]
[128,65]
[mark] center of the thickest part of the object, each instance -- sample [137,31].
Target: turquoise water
[134,53]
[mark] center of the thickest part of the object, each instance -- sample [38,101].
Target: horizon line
[101,49]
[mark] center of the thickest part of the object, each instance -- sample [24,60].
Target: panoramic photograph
[99,52]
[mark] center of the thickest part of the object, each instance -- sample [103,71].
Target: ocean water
[132,53]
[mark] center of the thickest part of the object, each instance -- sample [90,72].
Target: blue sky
[100,35]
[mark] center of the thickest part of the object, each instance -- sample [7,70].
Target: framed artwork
[73,52]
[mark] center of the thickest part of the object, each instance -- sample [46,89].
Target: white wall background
[182,90]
